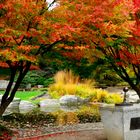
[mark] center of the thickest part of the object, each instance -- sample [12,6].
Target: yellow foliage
[70,89]
[101,95]
[64,118]
[68,84]
[92,109]
[65,77]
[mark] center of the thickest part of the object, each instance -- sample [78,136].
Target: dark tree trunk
[137,89]
[10,92]
[124,75]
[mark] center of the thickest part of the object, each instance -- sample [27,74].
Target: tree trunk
[4,106]
[9,94]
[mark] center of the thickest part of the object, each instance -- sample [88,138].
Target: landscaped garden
[68,85]
[58,57]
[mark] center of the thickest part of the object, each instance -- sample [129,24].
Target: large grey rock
[26,106]
[14,105]
[49,105]
[71,100]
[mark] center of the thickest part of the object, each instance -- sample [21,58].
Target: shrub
[33,118]
[64,118]
[88,114]
[36,77]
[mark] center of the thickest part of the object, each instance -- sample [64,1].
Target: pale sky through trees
[54,5]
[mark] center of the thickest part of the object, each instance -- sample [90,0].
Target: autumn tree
[28,29]
[110,29]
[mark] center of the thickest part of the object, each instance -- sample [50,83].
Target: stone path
[72,135]
[88,131]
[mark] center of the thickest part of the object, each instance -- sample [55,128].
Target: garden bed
[38,123]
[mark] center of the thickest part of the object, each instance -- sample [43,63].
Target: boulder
[26,106]
[49,105]
[70,100]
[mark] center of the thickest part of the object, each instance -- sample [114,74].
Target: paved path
[72,135]
[80,135]
[88,131]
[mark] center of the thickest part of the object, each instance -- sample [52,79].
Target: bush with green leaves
[36,77]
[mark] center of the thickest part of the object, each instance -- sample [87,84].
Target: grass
[26,95]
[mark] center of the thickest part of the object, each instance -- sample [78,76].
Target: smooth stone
[49,105]
[26,106]
[70,100]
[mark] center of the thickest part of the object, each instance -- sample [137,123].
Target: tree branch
[23,72]
[47,47]
[10,84]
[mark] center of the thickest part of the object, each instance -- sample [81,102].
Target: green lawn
[26,95]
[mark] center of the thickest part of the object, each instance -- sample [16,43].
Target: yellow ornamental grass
[57,87]
[68,84]
[66,77]
[71,118]
[60,77]
[93,109]
[70,89]
[116,98]
[84,91]
[101,95]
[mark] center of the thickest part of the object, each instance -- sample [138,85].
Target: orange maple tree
[111,29]
[28,28]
